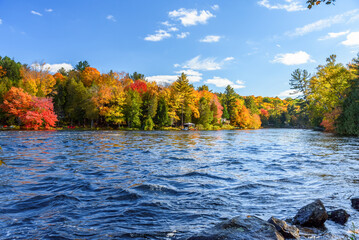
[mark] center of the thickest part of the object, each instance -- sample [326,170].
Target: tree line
[33,98]
[330,95]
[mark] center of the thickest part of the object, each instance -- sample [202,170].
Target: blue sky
[253,45]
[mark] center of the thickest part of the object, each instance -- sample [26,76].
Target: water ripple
[166,185]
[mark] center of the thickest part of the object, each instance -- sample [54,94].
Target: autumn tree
[185,96]
[37,80]
[327,88]
[241,116]
[139,86]
[89,76]
[109,98]
[31,111]
[59,77]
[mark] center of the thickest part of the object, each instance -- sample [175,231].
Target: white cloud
[333,35]
[167,24]
[206,64]
[190,17]
[239,82]
[290,5]
[352,39]
[278,45]
[289,93]
[49,10]
[36,13]
[53,68]
[296,58]
[160,35]
[173,29]
[215,7]
[323,23]
[162,79]
[0,21]
[176,65]
[111,18]
[228,59]
[224,82]
[189,72]
[193,76]
[183,35]
[210,38]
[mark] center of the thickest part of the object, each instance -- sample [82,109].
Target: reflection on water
[166,185]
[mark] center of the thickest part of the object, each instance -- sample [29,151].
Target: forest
[33,98]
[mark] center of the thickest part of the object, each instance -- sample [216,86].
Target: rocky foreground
[307,223]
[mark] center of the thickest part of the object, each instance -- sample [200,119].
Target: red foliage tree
[330,119]
[264,113]
[32,111]
[139,86]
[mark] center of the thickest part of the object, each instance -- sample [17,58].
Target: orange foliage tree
[59,76]
[89,76]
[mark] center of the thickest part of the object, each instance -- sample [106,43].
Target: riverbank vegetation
[331,95]
[33,98]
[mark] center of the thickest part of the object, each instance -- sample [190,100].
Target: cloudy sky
[253,45]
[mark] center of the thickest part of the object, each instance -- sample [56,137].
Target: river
[164,184]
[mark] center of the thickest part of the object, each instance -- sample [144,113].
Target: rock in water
[311,215]
[355,203]
[286,230]
[240,228]
[339,216]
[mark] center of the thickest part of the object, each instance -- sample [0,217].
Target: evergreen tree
[251,105]
[205,114]
[162,118]
[136,76]
[80,66]
[225,113]
[133,109]
[76,100]
[230,100]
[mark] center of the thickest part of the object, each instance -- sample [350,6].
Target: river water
[167,185]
